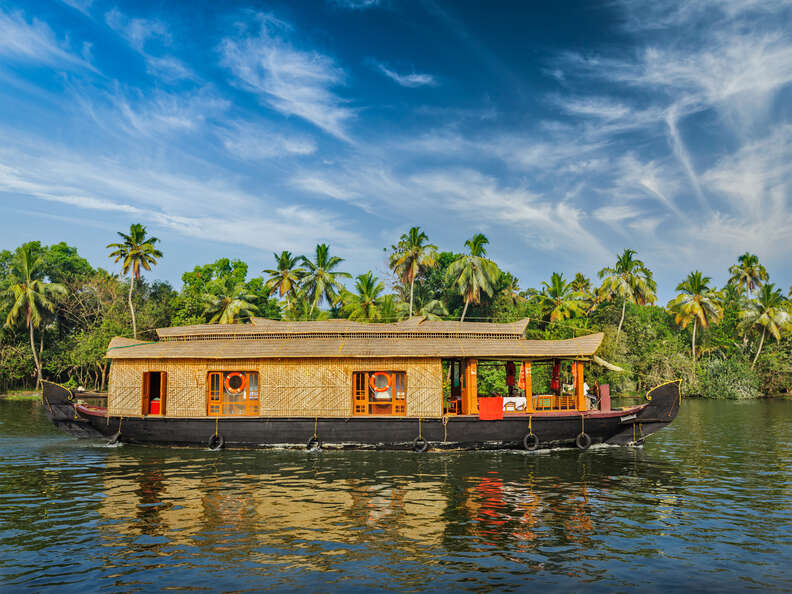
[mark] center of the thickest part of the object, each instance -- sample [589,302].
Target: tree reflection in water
[144,517]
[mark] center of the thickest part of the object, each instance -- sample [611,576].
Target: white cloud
[291,81]
[34,42]
[408,80]
[254,142]
[356,4]
[324,187]
[84,6]
[137,31]
[206,207]
[142,33]
[168,68]
[161,112]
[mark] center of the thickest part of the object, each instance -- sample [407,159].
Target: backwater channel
[705,505]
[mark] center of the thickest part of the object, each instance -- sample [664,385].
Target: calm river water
[706,505]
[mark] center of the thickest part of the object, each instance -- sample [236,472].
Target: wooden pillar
[580,396]
[470,394]
[526,380]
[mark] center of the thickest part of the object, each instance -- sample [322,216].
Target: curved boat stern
[661,410]
[59,404]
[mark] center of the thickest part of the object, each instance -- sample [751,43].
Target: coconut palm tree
[411,256]
[559,301]
[697,302]
[424,305]
[31,296]
[580,284]
[770,310]
[321,280]
[472,273]
[285,278]
[748,274]
[364,304]
[226,305]
[135,251]
[630,280]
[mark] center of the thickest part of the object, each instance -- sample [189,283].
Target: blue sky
[566,133]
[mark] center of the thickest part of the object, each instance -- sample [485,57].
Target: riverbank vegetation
[60,311]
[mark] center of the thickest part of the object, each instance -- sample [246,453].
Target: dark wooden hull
[560,429]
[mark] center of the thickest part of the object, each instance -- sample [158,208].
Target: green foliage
[729,379]
[71,337]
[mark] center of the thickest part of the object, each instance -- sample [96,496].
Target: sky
[565,132]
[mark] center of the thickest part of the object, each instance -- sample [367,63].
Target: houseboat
[417,384]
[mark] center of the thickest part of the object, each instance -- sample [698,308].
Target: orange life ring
[373,384]
[241,387]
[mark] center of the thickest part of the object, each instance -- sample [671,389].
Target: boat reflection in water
[306,509]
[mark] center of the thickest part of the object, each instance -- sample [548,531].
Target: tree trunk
[412,286]
[464,311]
[621,321]
[695,324]
[104,376]
[131,307]
[35,356]
[759,350]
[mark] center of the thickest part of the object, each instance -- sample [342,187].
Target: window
[233,393]
[155,388]
[379,393]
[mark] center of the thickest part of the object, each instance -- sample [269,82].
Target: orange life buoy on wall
[373,383]
[243,382]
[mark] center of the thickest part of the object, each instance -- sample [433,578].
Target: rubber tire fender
[115,439]
[216,442]
[583,441]
[313,444]
[420,445]
[530,442]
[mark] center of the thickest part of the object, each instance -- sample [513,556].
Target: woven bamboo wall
[304,388]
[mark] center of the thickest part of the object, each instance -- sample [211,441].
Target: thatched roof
[415,327]
[415,337]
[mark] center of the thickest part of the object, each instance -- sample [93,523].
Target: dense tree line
[727,342]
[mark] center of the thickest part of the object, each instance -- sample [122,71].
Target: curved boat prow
[661,410]
[59,404]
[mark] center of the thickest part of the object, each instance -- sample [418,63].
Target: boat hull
[621,427]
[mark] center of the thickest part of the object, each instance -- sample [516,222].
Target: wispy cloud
[84,6]
[356,4]
[253,142]
[290,80]
[408,80]
[195,206]
[34,42]
[137,31]
[142,33]
[155,113]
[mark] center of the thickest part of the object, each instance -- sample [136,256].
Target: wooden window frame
[361,402]
[252,405]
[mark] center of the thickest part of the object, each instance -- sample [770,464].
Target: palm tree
[748,274]
[770,311]
[473,273]
[229,306]
[364,304]
[412,255]
[135,251]
[31,295]
[580,284]
[321,281]
[697,302]
[630,280]
[424,305]
[285,278]
[559,301]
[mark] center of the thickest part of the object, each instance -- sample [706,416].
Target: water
[705,505]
